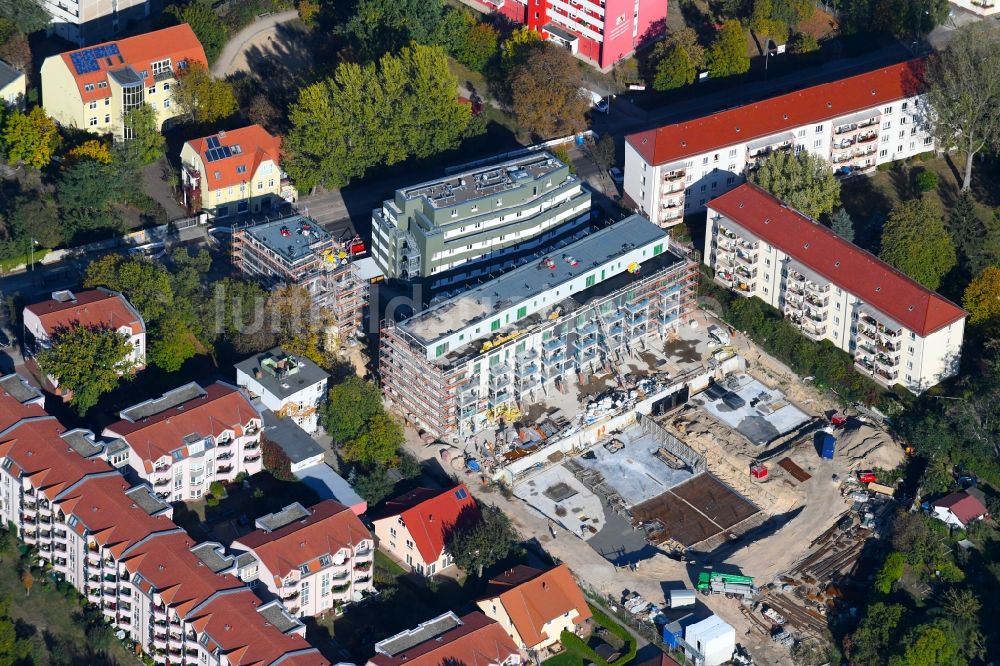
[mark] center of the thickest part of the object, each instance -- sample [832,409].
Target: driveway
[232,59]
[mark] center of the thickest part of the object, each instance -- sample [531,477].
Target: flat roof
[422,633]
[293,238]
[82,441]
[282,374]
[19,389]
[533,279]
[210,554]
[168,400]
[325,482]
[286,516]
[278,617]
[145,499]
[293,440]
[483,181]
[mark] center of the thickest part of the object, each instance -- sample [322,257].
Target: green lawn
[564,658]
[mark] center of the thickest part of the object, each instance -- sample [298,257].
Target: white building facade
[897,331]
[290,386]
[855,124]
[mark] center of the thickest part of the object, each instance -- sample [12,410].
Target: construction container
[758,471]
[681,598]
[828,445]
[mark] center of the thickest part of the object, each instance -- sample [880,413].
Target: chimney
[257,373]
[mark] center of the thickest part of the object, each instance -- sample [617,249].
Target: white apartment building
[855,123]
[191,436]
[117,545]
[313,560]
[290,386]
[897,331]
[86,21]
[99,308]
[490,351]
[984,8]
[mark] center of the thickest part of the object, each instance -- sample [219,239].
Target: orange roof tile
[533,598]
[776,114]
[231,621]
[479,641]
[430,514]
[178,43]
[44,458]
[221,408]
[843,263]
[13,410]
[331,527]
[254,144]
[95,307]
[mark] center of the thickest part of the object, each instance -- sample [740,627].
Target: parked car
[616,175]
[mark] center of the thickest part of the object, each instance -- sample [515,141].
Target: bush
[217,489]
[211,500]
[927,181]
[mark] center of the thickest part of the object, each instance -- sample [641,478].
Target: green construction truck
[732,585]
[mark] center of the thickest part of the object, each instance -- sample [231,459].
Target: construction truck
[732,585]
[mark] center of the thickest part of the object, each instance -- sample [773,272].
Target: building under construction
[466,363]
[296,250]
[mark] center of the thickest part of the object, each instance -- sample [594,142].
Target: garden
[609,644]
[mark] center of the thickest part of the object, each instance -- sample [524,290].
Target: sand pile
[867,447]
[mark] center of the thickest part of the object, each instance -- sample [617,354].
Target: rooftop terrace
[483,181]
[532,279]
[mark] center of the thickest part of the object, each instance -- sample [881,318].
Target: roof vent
[806,246]
[910,308]
[873,92]
[767,220]
[829,105]
[684,144]
[785,116]
[878,289]
[644,141]
[228,627]
[741,204]
[836,264]
[737,128]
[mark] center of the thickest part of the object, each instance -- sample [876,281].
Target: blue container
[581,139]
[670,638]
[828,446]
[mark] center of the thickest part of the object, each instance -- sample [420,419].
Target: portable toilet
[828,444]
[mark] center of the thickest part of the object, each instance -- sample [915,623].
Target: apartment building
[413,527]
[93,88]
[897,331]
[296,250]
[855,123]
[313,560]
[99,308]
[984,8]
[534,606]
[459,366]
[234,172]
[117,545]
[472,640]
[86,21]
[476,222]
[290,386]
[599,32]
[189,437]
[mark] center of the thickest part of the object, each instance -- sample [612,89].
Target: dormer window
[160,66]
[88,87]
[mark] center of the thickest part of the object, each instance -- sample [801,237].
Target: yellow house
[13,85]
[234,172]
[93,88]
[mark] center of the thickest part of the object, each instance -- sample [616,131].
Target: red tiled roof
[181,579]
[843,263]
[115,521]
[233,624]
[255,145]
[965,507]
[331,527]
[35,447]
[479,641]
[533,598]
[430,514]
[95,307]
[177,42]
[221,408]
[776,114]
[13,410]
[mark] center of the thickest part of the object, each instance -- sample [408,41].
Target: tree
[381,26]
[87,191]
[934,644]
[842,224]
[14,47]
[802,180]
[914,240]
[202,98]
[515,49]
[802,42]
[962,604]
[37,220]
[87,360]
[604,152]
[262,111]
[727,56]
[92,149]
[982,297]
[976,244]
[964,91]
[146,285]
[28,581]
[31,138]
[478,47]
[876,634]
[276,461]
[28,16]
[309,11]
[545,93]
[891,571]
[687,39]
[171,345]
[403,106]
[207,27]
[373,484]
[926,181]
[350,405]
[377,444]
[147,143]
[481,543]
[674,70]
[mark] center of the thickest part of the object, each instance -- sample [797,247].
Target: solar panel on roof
[219,153]
[88,60]
[213,142]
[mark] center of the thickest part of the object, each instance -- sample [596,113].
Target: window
[817,143]
[885,139]
[730,180]
[242,168]
[703,187]
[802,133]
[887,109]
[495,325]
[441,349]
[107,118]
[166,104]
[905,104]
[714,185]
[887,124]
[304,569]
[89,87]
[160,66]
[732,153]
[522,312]
[928,141]
[819,128]
[732,167]
[883,153]
[93,105]
[151,90]
[409,545]
[93,121]
[704,160]
[166,86]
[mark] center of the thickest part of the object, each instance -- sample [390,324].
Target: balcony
[224,469]
[886,375]
[746,258]
[250,446]
[159,483]
[745,288]
[251,459]
[672,176]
